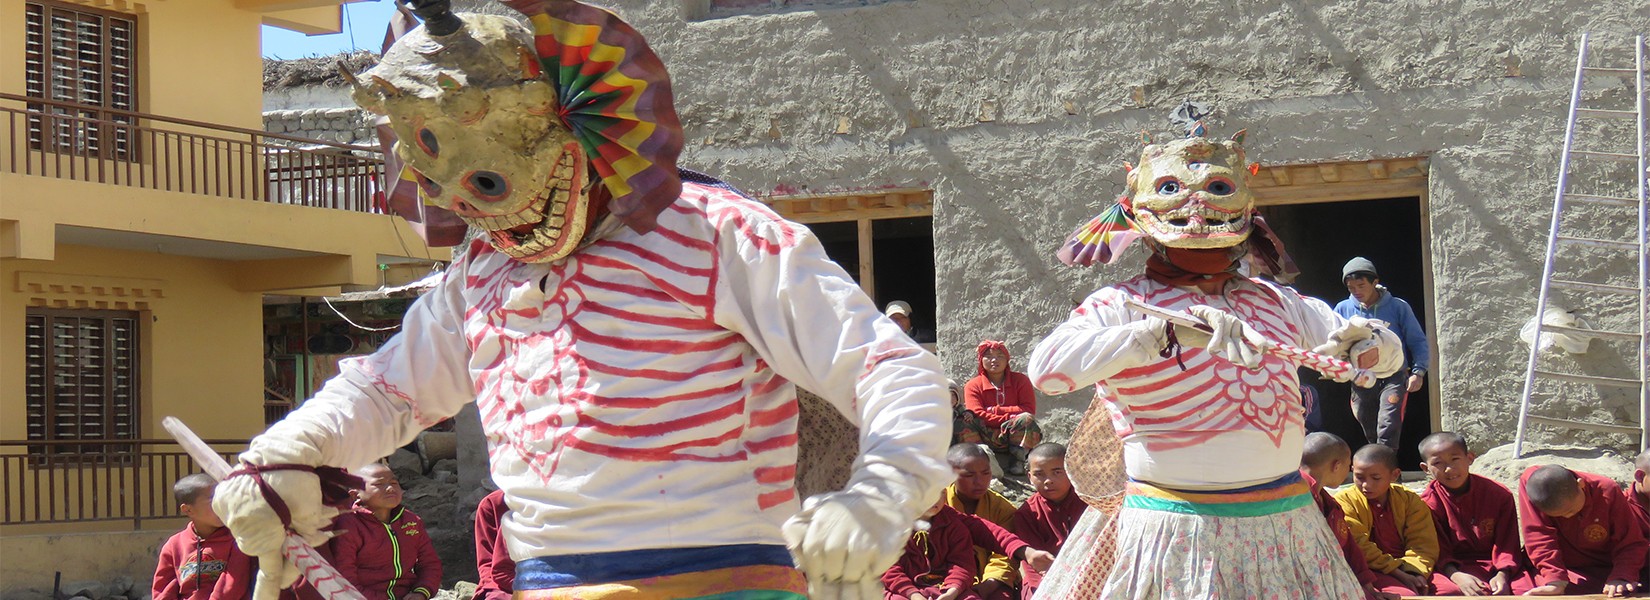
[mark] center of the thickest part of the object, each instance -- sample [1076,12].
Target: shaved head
[1376,455]
[1642,463]
[1441,441]
[1047,450]
[964,452]
[1322,448]
[1551,487]
[373,469]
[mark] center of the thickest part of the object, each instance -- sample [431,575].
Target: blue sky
[364,24]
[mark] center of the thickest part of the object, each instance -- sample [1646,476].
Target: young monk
[1478,549]
[1640,494]
[1046,519]
[1392,525]
[938,562]
[1326,459]
[1580,533]
[994,546]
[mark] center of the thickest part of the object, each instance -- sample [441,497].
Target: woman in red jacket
[1005,404]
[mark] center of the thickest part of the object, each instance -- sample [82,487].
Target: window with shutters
[81,379]
[84,57]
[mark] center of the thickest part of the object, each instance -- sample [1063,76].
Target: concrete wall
[1017,115]
[32,561]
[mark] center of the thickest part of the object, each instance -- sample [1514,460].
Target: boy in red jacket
[938,562]
[1047,517]
[1478,548]
[1580,533]
[382,548]
[495,572]
[1326,459]
[201,562]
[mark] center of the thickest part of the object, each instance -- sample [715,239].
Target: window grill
[81,379]
[85,56]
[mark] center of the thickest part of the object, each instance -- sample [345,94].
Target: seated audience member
[1478,548]
[938,562]
[201,562]
[1046,518]
[495,572]
[1580,533]
[1392,525]
[972,496]
[1640,493]
[1325,459]
[382,547]
[1005,401]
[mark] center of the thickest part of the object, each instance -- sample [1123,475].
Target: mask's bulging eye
[1168,187]
[487,184]
[428,143]
[1220,187]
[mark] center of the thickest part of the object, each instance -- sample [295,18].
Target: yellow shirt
[1415,526]
[997,509]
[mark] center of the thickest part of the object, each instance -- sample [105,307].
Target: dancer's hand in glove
[1367,344]
[1230,337]
[845,540]
[259,531]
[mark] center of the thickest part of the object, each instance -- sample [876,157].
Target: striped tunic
[638,394]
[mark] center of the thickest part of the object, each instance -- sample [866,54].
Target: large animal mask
[531,135]
[1192,193]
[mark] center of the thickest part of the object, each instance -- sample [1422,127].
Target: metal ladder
[1555,240]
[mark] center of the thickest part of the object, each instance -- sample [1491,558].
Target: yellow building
[144,217]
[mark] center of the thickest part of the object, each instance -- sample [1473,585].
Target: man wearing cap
[1380,409]
[900,312]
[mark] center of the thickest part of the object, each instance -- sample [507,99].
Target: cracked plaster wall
[1018,114]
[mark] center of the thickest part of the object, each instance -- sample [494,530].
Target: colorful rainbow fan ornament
[1102,239]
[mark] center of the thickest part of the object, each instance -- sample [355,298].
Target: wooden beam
[1343,191]
[1329,173]
[1280,175]
[867,270]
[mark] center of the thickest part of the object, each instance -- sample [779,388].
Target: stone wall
[1017,114]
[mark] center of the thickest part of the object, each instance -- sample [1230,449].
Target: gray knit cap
[1359,265]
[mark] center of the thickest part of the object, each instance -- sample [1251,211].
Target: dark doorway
[1322,237]
[902,257]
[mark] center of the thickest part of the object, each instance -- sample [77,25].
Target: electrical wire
[353,323]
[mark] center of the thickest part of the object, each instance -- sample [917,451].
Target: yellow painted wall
[203,348]
[30,561]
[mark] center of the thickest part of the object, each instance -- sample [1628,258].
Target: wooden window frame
[40,389]
[104,128]
[860,208]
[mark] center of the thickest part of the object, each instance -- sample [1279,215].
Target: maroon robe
[942,557]
[1601,543]
[1044,525]
[1477,531]
[494,569]
[1336,517]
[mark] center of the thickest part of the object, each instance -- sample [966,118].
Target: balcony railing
[94,480]
[81,142]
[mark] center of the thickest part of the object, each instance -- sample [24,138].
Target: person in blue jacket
[1380,409]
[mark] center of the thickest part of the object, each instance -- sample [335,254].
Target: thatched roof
[314,70]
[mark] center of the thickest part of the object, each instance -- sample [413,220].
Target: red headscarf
[979,354]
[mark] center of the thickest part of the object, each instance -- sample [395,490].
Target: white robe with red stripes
[1213,425]
[638,394]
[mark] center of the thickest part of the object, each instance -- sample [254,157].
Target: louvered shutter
[82,377]
[79,55]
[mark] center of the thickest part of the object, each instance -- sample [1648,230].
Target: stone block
[90,588]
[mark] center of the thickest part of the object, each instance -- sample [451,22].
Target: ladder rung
[1606,114]
[1609,71]
[1619,335]
[1602,288]
[1627,429]
[1597,199]
[1594,379]
[1608,155]
[1614,244]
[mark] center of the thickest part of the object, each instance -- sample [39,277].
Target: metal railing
[89,143]
[94,480]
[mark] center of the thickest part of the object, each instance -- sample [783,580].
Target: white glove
[1361,341]
[845,540]
[1231,338]
[258,531]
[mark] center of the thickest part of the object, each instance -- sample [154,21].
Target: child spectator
[938,562]
[1640,493]
[1004,402]
[201,562]
[971,495]
[1478,548]
[1047,517]
[1392,525]
[495,572]
[383,548]
[1580,533]
[1325,458]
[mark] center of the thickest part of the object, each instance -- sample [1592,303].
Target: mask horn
[385,87]
[1238,137]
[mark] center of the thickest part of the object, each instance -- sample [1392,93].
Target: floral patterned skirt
[1264,542]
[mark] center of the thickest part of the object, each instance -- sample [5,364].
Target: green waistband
[1258,508]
